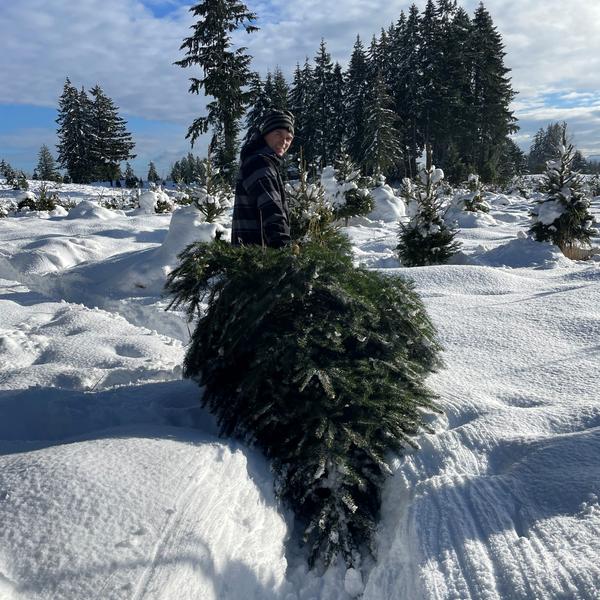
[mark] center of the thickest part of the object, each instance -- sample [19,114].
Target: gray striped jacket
[260,213]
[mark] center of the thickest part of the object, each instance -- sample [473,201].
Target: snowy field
[114,484]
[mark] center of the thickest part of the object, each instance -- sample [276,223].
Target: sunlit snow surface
[114,484]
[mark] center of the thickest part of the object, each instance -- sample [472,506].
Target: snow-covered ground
[114,484]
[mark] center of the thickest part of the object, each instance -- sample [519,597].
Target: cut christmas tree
[320,364]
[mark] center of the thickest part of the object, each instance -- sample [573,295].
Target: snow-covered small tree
[318,363]
[563,216]
[21,182]
[473,200]
[210,193]
[426,239]
[352,197]
[8,173]
[311,212]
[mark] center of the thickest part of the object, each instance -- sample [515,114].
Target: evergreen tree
[320,146]
[280,95]
[75,134]
[492,95]
[426,239]
[338,105]
[357,89]
[129,176]
[112,143]
[153,175]
[258,108]
[381,152]
[300,105]
[226,75]
[430,73]
[544,145]
[563,216]
[513,162]
[46,166]
[353,198]
[408,89]
[352,374]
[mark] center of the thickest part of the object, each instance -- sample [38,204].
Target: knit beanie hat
[277,119]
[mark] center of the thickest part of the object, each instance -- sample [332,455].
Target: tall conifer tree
[320,145]
[226,75]
[300,105]
[112,142]
[74,134]
[281,91]
[382,139]
[357,87]
[408,90]
[492,95]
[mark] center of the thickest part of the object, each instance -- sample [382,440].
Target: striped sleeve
[261,184]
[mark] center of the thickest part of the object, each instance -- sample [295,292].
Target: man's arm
[262,185]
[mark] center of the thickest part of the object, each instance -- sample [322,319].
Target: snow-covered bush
[347,189]
[562,216]
[47,200]
[318,363]
[473,200]
[20,182]
[210,194]
[311,211]
[26,200]
[426,239]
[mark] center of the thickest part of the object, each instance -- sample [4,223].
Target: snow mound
[468,220]
[387,206]
[524,252]
[57,344]
[183,516]
[88,209]
[149,273]
[54,254]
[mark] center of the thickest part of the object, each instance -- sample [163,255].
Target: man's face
[279,140]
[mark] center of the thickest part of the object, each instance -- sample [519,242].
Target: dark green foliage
[311,215]
[153,175]
[188,170]
[111,142]
[300,104]
[210,194]
[381,151]
[46,199]
[320,144]
[319,364]
[130,177]
[492,95]
[75,134]
[357,89]
[226,75]
[93,139]
[544,145]
[565,200]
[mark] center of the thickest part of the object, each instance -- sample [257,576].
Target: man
[260,213]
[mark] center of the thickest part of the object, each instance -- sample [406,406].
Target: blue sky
[128,47]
